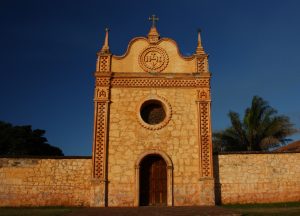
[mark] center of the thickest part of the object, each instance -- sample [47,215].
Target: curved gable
[162,57]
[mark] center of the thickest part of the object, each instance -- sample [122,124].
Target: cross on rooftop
[153,19]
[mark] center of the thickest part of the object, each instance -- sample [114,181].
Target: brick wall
[257,178]
[45,182]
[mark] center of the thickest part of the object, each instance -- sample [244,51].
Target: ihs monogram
[153,59]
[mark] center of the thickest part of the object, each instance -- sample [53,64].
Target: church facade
[152,127]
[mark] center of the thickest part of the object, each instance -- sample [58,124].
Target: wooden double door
[153,181]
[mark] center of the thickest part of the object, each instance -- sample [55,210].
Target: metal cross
[153,19]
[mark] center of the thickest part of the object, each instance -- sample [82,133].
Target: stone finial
[199,49]
[153,35]
[105,48]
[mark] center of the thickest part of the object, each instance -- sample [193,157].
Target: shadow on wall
[218,185]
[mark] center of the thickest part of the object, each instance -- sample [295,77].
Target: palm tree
[261,129]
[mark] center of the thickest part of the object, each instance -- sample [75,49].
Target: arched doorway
[153,181]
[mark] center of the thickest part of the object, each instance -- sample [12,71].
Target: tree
[261,129]
[22,140]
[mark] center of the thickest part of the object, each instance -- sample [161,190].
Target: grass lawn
[38,211]
[268,209]
[274,209]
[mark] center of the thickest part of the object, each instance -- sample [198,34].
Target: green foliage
[260,129]
[22,140]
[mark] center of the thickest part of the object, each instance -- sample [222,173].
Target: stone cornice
[191,75]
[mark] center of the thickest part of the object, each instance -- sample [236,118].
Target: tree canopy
[22,140]
[260,129]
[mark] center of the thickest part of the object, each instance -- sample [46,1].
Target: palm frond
[262,128]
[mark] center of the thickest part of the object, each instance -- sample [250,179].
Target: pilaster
[205,146]
[101,124]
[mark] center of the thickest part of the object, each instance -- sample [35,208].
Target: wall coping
[43,157]
[253,152]
[90,157]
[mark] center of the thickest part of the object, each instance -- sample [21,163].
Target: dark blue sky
[47,56]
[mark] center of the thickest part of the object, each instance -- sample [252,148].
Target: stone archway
[153,181]
[169,174]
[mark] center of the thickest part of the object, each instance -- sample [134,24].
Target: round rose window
[153,112]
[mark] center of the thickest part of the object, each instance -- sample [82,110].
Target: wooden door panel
[153,181]
[158,182]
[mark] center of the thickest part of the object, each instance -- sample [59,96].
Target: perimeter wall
[66,181]
[45,182]
[257,177]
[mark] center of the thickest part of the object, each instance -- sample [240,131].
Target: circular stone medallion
[153,59]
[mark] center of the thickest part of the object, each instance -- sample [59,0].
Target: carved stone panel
[153,59]
[203,94]
[100,140]
[104,63]
[157,82]
[102,93]
[205,136]
[202,64]
[205,140]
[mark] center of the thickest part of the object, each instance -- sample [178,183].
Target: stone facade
[257,178]
[152,71]
[128,141]
[45,182]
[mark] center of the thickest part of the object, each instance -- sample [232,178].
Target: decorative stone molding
[166,106]
[205,141]
[153,59]
[202,63]
[158,82]
[158,152]
[102,99]
[102,93]
[203,94]
[104,63]
[102,81]
[99,155]
[204,133]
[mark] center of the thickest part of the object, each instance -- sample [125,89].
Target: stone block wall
[45,182]
[128,140]
[66,181]
[257,178]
